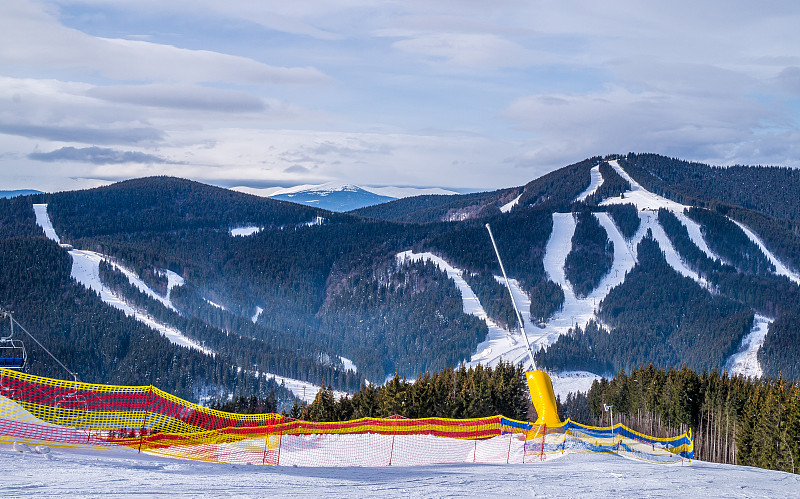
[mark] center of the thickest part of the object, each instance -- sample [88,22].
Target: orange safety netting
[56,412]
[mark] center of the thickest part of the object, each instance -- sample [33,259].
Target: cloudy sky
[468,94]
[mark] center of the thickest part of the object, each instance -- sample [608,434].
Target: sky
[465,94]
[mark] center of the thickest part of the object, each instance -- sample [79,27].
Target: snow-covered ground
[245,231]
[257,314]
[303,390]
[745,361]
[514,202]
[349,365]
[123,472]
[594,184]
[43,220]
[780,268]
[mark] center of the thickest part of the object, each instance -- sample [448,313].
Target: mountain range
[615,261]
[341,197]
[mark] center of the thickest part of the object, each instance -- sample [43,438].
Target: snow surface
[43,221]
[89,472]
[257,314]
[594,184]
[86,270]
[745,361]
[213,304]
[780,268]
[349,365]
[245,231]
[303,390]
[514,202]
[500,343]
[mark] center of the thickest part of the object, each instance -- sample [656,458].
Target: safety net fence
[40,410]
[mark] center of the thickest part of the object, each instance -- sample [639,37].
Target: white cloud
[29,35]
[484,51]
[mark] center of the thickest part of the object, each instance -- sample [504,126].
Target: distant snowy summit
[340,197]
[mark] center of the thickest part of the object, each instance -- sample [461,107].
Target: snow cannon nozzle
[543,398]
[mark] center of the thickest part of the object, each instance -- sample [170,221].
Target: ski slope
[507,345]
[86,270]
[745,361]
[123,472]
[508,206]
[780,268]
[594,184]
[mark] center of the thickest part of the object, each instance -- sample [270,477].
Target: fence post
[475,449]
[146,414]
[525,442]
[280,442]
[266,442]
[391,451]
[544,437]
[510,438]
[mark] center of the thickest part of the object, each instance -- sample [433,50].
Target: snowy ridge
[388,191]
[745,361]
[696,235]
[86,270]
[594,184]
[501,344]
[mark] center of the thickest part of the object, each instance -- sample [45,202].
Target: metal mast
[513,301]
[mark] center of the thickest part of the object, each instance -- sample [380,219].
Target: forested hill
[291,290]
[773,191]
[168,203]
[440,208]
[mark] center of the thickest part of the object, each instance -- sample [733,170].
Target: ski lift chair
[12,352]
